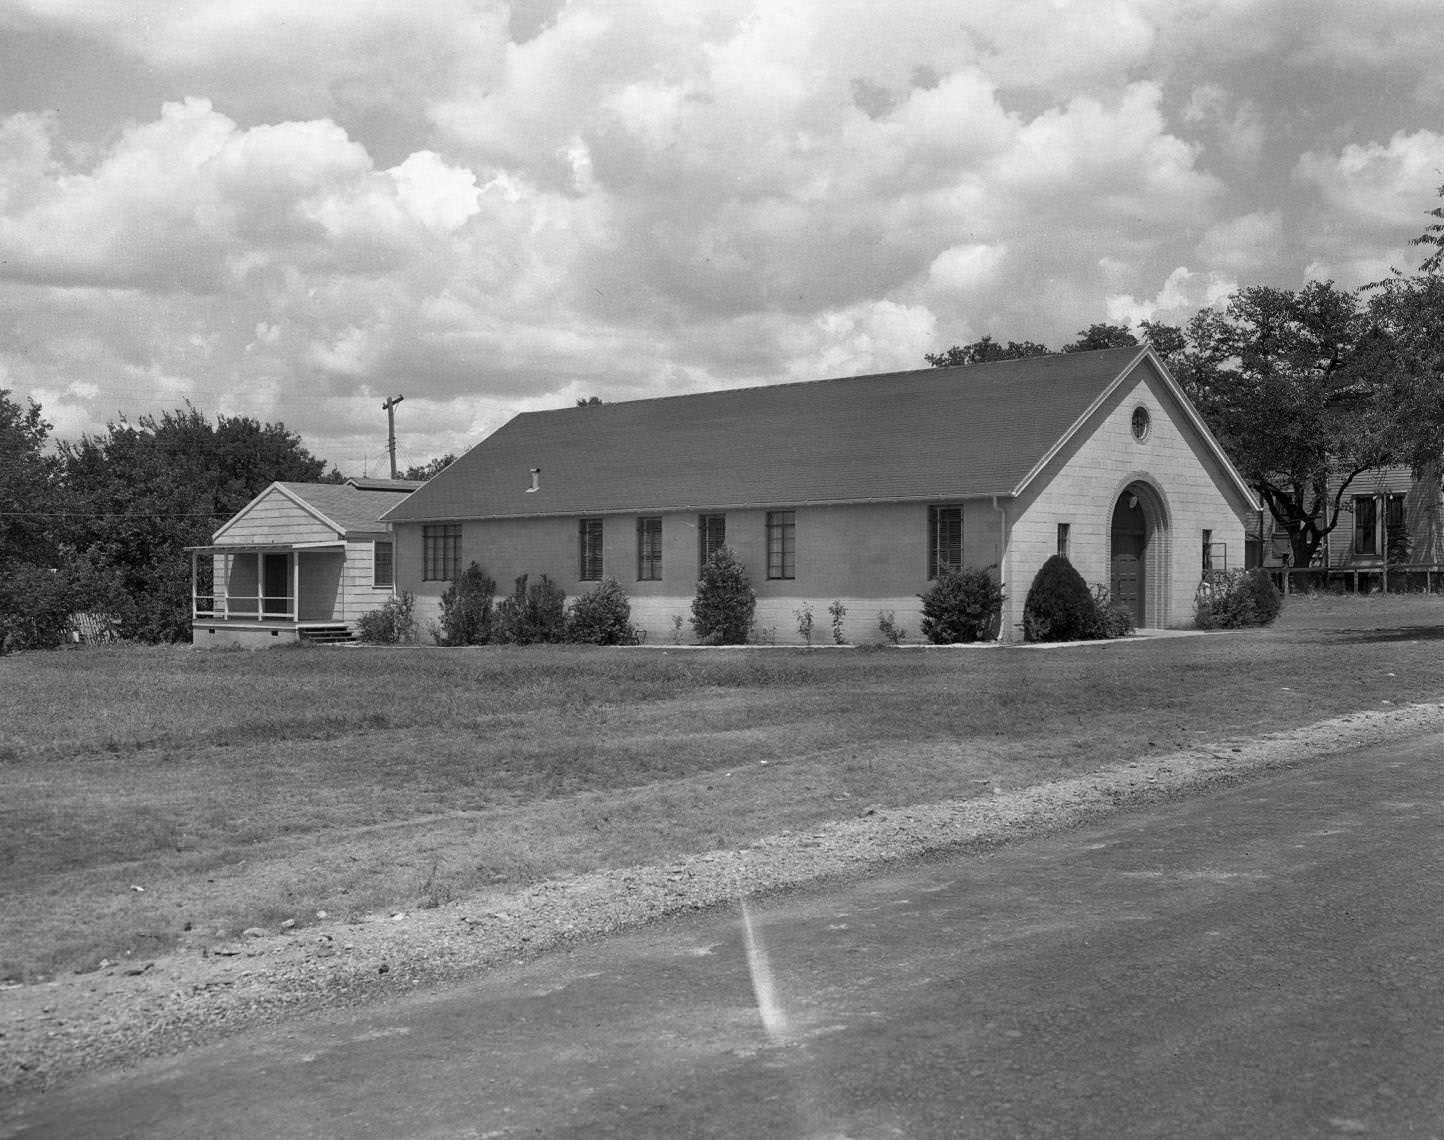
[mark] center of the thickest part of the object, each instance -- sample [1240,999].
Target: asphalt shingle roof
[936,433]
[352,509]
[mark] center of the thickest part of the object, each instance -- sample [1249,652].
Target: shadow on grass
[1402,634]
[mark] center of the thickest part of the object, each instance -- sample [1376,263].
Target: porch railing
[221,606]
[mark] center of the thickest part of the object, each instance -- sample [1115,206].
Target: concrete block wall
[1083,484]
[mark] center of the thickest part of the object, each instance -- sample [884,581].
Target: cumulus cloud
[1182,294]
[1244,244]
[496,206]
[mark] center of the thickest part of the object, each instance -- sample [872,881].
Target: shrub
[838,612]
[1113,619]
[887,623]
[1059,606]
[1236,599]
[804,622]
[962,605]
[534,613]
[467,615]
[393,624]
[723,609]
[602,616]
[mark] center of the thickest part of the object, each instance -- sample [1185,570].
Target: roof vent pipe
[535,481]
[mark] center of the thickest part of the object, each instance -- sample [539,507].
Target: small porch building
[301,561]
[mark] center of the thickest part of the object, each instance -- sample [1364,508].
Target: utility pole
[390,409]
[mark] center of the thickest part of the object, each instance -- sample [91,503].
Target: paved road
[1265,961]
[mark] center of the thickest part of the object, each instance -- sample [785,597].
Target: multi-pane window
[1366,525]
[441,552]
[945,540]
[1396,536]
[383,564]
[1063,529]
[711,536]
[782,544]
[589,550]
[1379,531]
[649,549]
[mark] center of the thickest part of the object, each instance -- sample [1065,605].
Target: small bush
[1059,606]
[723,610]
[887,624]
[838,611]
[534,613]
[602,616]
[1113,619]
[1236,599]
[804,622]
[393,624]
[961,606]
[467,608]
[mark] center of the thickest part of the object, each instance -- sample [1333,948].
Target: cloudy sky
[291,210]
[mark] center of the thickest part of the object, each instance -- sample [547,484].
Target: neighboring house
[1388,519]
[299,561]
[857,490]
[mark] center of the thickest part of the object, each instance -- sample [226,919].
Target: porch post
[295,585]
[194,579]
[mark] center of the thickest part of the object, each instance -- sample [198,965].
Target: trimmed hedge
[1059,606]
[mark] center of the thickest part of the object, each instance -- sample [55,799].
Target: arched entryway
[1138,534]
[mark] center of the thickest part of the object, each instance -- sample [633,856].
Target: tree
[1279,376]
[1404,349]
[984,351]
[140,493]
[1102,336]
[424,471]
[28,487]
[588,401]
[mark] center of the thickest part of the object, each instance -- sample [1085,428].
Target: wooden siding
[275,518]
[1422,502]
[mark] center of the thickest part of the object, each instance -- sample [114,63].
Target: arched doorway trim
[1138,526]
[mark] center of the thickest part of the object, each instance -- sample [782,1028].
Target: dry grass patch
[243,789]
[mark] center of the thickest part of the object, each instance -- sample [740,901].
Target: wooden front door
[1129,542]
[276,585]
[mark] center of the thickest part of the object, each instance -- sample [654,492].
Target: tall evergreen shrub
[724,607]
[466,608]
[1059,606]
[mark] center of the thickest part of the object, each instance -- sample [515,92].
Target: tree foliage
[984,351]
[28,485]
[423,471]
[1101,335]
[135,496]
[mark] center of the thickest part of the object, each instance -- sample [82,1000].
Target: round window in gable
[1140,423]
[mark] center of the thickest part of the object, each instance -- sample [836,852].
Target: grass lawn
[242,789]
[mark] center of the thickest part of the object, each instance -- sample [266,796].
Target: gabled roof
[344,507]
[935,433]
[348,508]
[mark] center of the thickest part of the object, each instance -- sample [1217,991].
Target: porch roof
[265,547]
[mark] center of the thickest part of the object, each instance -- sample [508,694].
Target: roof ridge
[820,380]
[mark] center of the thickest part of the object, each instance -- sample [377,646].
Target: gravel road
[111,1018]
